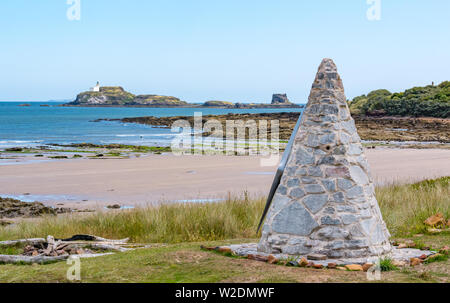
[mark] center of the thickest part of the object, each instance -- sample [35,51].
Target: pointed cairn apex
[325,203]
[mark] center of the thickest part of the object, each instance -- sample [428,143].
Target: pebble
[317,257]
[303,262]
[415,261]
[354,267]
[318,266]
[367,266]
[272,260]
[332,265]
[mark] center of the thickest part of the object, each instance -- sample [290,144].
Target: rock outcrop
[11,208]
[110,95]
[325,203]
[280,99]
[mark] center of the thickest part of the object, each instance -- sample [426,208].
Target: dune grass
[166,223]
[404,209]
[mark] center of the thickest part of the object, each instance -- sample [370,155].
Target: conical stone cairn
[325,203]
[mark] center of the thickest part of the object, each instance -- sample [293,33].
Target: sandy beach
[158,178]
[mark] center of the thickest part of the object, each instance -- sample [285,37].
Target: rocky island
[116,96]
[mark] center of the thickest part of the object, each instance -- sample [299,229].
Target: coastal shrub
[404,209]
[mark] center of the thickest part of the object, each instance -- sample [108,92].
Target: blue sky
[241,51]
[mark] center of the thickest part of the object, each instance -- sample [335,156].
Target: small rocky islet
[116,96]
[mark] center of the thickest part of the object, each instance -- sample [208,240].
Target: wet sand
[158,178]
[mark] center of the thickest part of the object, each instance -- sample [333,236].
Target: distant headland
[116,96]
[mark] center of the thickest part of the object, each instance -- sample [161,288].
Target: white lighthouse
[96,88]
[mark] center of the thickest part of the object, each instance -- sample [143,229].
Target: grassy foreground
[404,209]
[184,227]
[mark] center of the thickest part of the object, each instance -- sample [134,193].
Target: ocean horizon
[37,125]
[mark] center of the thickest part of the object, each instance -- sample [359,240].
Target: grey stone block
[295,220]
[338,197]
[295,250]
[282,190]
[355,192]
[314,189]
[349,218]
[293,182]
[315,171]
[297,193]
[329,184]
[304,158]
[308,180]
[315,202]
[358,175]
[327,220]
[331,233]
[344,184]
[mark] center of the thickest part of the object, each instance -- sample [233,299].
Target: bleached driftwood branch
[22,241]
[93,238]
[109,247]
[14,259]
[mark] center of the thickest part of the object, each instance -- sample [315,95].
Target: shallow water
[36,125]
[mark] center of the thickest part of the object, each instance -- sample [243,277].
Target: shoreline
[139,181]
[386,128]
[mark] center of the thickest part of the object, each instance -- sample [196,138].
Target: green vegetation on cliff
[428,101]
[218,104]
[158,100]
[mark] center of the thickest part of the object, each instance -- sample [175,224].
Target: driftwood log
[14,259]
[109,247]
[92,238]
[23,241]
[52,250]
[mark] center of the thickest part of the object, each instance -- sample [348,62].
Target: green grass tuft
[387,265]
[437,258]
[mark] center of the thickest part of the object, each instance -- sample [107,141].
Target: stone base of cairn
[403,255]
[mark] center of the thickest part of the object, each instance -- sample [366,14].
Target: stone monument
[325,203]
[322,203]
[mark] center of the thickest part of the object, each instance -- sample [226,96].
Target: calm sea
[36,125]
